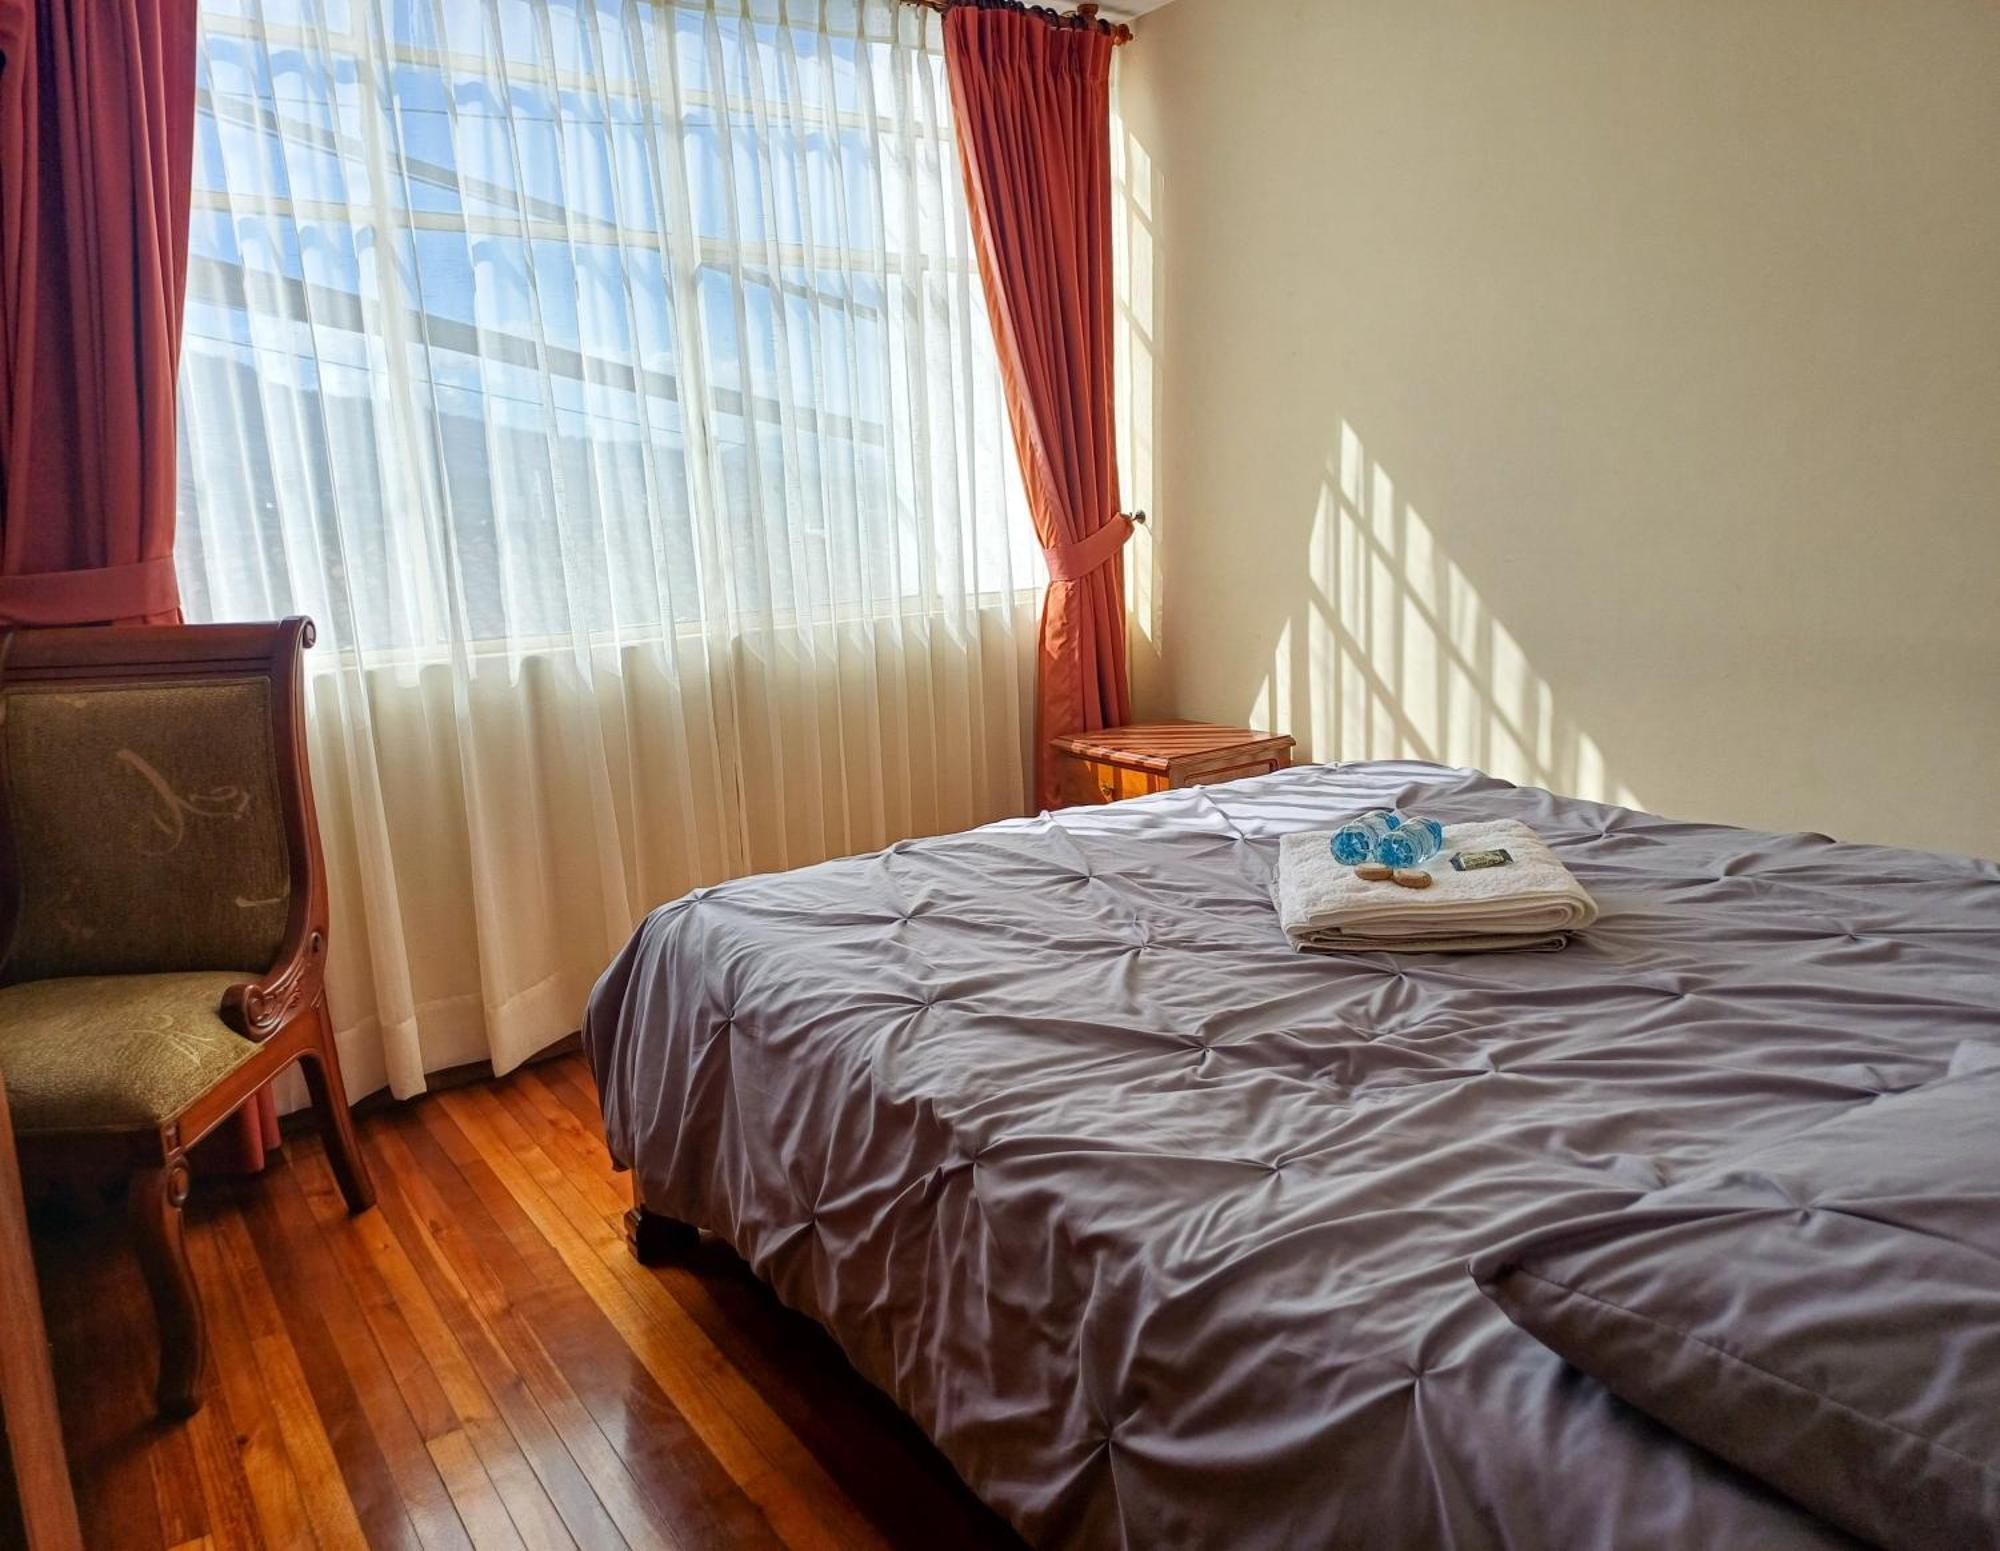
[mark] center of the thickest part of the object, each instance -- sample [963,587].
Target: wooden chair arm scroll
[257,1009]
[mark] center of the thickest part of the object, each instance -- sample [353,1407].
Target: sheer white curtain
[609,379]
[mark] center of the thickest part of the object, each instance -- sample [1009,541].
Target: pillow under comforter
[1822,1311]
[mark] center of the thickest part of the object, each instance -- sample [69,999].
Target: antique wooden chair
[162,916]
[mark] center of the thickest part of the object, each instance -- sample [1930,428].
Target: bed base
[656,1240]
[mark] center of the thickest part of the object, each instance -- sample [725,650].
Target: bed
[1161,1230]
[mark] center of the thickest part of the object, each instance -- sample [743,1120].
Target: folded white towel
[1533,902]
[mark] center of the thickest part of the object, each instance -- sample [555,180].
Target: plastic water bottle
[1355,841]
[1411,842]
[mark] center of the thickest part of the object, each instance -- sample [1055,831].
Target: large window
[531,319]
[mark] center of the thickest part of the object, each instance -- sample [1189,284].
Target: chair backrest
[156,812]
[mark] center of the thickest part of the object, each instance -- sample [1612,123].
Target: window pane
[546,318]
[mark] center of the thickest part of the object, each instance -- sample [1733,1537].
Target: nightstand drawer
[1086,781]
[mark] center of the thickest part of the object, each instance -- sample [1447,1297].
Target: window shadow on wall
[1395,655]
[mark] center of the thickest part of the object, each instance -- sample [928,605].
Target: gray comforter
[1161,1229]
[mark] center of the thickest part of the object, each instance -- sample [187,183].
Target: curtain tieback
[94,595]
[1073,562]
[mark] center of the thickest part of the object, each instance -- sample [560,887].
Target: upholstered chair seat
[115,1052]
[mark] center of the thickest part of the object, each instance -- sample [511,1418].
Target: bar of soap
[1374,872]
[1413,878]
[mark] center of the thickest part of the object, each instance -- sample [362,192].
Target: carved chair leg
[329,1100]
[153,1201]
[655,1240]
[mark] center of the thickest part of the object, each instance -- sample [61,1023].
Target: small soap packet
[1473,861]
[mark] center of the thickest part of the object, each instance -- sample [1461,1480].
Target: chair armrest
[258,1008]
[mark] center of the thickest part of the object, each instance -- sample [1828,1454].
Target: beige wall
[1607,395]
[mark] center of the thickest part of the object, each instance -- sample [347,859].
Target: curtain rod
[1084,16]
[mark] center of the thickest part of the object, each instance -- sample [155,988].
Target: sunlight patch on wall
[1134,202]
[1400,658]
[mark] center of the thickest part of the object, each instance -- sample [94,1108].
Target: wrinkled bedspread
[1160,1229]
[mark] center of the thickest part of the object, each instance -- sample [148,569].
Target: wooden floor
[476,1362]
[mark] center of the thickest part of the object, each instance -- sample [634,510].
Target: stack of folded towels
[1532,902]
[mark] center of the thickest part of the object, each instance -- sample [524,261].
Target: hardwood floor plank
[360,1254]
[407,1336]
[333,1346]
[768,1463]
[419,1282]
[467,1289]
[790,1360]
[329,1509]
[218,1469]
[235,1385]
[385,1395]
[398,1493]
[177,1487]
[557,1105]
[477,1363]
[682,1481]
[466,1479]
[108,1456]
[571,1081]
[521,1305]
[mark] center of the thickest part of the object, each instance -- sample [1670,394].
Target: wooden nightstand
[1100,767]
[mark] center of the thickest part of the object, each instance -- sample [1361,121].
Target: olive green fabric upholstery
[114,1052]
[147,827]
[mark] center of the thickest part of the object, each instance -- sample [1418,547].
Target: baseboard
[435,1082]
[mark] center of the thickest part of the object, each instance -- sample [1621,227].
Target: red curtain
[96,146]
[96,153]
[1031,92]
